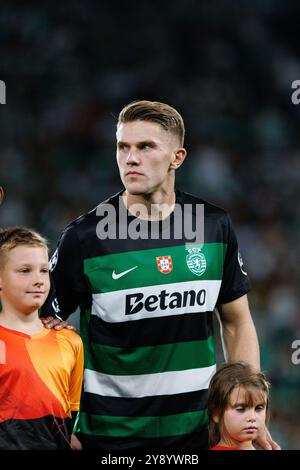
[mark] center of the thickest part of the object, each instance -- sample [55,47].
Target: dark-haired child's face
[244,417]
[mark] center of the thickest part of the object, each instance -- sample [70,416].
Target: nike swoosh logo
[117,276]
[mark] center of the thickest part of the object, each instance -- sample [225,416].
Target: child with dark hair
[238,402]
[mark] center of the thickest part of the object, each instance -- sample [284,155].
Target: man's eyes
[148,146]
[126,148]
[122,147]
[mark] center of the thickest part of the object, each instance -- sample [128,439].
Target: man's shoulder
[84,222]
[209,207]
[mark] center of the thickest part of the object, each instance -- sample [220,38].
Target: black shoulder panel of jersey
[87,226]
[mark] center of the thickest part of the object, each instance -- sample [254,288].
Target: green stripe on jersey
[142,269]
[151,359]
[143,427]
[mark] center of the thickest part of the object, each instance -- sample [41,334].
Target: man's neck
[156,206]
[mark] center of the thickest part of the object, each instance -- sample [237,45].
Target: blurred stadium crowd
[69,68]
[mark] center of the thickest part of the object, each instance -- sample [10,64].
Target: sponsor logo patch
[164,301]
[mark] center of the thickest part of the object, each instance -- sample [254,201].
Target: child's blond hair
[11,237]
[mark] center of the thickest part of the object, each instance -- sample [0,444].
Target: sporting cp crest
[196,261]
[164,264]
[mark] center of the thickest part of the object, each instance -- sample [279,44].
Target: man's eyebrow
[147,142]
[121,143]
[138,144]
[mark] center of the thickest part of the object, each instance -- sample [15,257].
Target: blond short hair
[11,237]
[154,111]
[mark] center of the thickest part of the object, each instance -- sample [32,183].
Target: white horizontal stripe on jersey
[111,306]
[137,386]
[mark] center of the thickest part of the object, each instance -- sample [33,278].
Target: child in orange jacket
[40,369]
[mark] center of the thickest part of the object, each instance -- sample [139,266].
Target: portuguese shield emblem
[164,264]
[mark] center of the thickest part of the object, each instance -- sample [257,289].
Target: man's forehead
[140,131]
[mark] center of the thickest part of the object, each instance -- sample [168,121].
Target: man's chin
[135,191]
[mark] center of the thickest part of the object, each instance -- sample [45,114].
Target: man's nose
[132,157]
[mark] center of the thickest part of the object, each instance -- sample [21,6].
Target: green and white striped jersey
[146,323]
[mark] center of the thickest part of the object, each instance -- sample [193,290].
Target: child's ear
[216,419]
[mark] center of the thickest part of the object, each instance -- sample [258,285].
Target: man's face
[145,154]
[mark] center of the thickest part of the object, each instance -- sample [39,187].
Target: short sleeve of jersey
[67,275]
[235,281]
[77,374]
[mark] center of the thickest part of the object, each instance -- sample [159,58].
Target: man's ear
[178,158]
